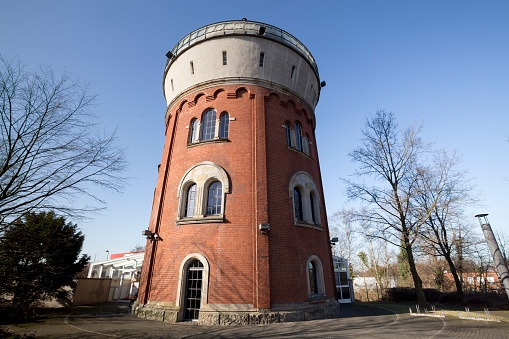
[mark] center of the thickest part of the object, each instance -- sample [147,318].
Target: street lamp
[500,265]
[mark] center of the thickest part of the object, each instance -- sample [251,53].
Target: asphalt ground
[112,320]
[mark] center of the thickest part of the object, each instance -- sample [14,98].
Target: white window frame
[220,125]
[186,199]
[196,137]
[299,142]
[294,140]
[214,125]
[194,132]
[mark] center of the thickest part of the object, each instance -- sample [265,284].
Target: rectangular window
[171,84]
[293,72]
[224,123]
[192,67]
[262,57]
[224,58]
[190,201]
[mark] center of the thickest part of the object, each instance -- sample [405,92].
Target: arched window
[314,274]
[201,194]
[190,201]
[313,278]
[298,136]
[297,203]
[214,198]
[193,133]
[288,134]
[312,203]
[224,125]
[208,125]
[306,201]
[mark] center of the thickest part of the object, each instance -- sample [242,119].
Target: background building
[238,231]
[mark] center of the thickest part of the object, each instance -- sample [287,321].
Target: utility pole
[503,273]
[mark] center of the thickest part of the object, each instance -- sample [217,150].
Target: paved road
[355,321]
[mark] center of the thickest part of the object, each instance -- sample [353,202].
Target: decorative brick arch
[240,91]
[198,97]
[273,94]
[217,92]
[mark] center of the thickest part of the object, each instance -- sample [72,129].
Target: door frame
[181,288]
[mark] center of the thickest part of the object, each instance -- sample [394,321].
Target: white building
[343,282]
[123,270]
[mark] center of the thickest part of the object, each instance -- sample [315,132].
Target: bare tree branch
[51,151]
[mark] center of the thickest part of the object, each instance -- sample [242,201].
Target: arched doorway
[193,291]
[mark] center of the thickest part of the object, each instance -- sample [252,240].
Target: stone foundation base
[301,312]
[158,312]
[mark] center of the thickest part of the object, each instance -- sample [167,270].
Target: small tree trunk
[421,298]
[457,281]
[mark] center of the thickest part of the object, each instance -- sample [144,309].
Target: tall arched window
[190,201]
[288,134]
[298,136]
[224,125]
[297,203]
[208,125]
[313,278]
[193,131]
[214,198]
[314,274]
[312,203]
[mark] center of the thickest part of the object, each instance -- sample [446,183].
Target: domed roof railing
[241,27]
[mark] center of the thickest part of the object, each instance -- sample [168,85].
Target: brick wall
[246,267]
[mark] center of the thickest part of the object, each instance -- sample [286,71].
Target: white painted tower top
[241,52]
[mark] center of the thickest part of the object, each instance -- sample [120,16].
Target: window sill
[211,141]
[317,298]
[305,224]
[300,152]
[201,220]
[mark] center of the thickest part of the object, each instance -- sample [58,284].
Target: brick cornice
[241,81]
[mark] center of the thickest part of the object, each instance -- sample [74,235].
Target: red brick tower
[238,231]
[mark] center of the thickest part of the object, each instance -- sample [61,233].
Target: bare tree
[138,248]
[390,158]
[342,226]
[51,151]
[376,260]
[447,207]
[483,261]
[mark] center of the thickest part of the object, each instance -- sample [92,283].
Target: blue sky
[441,63]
